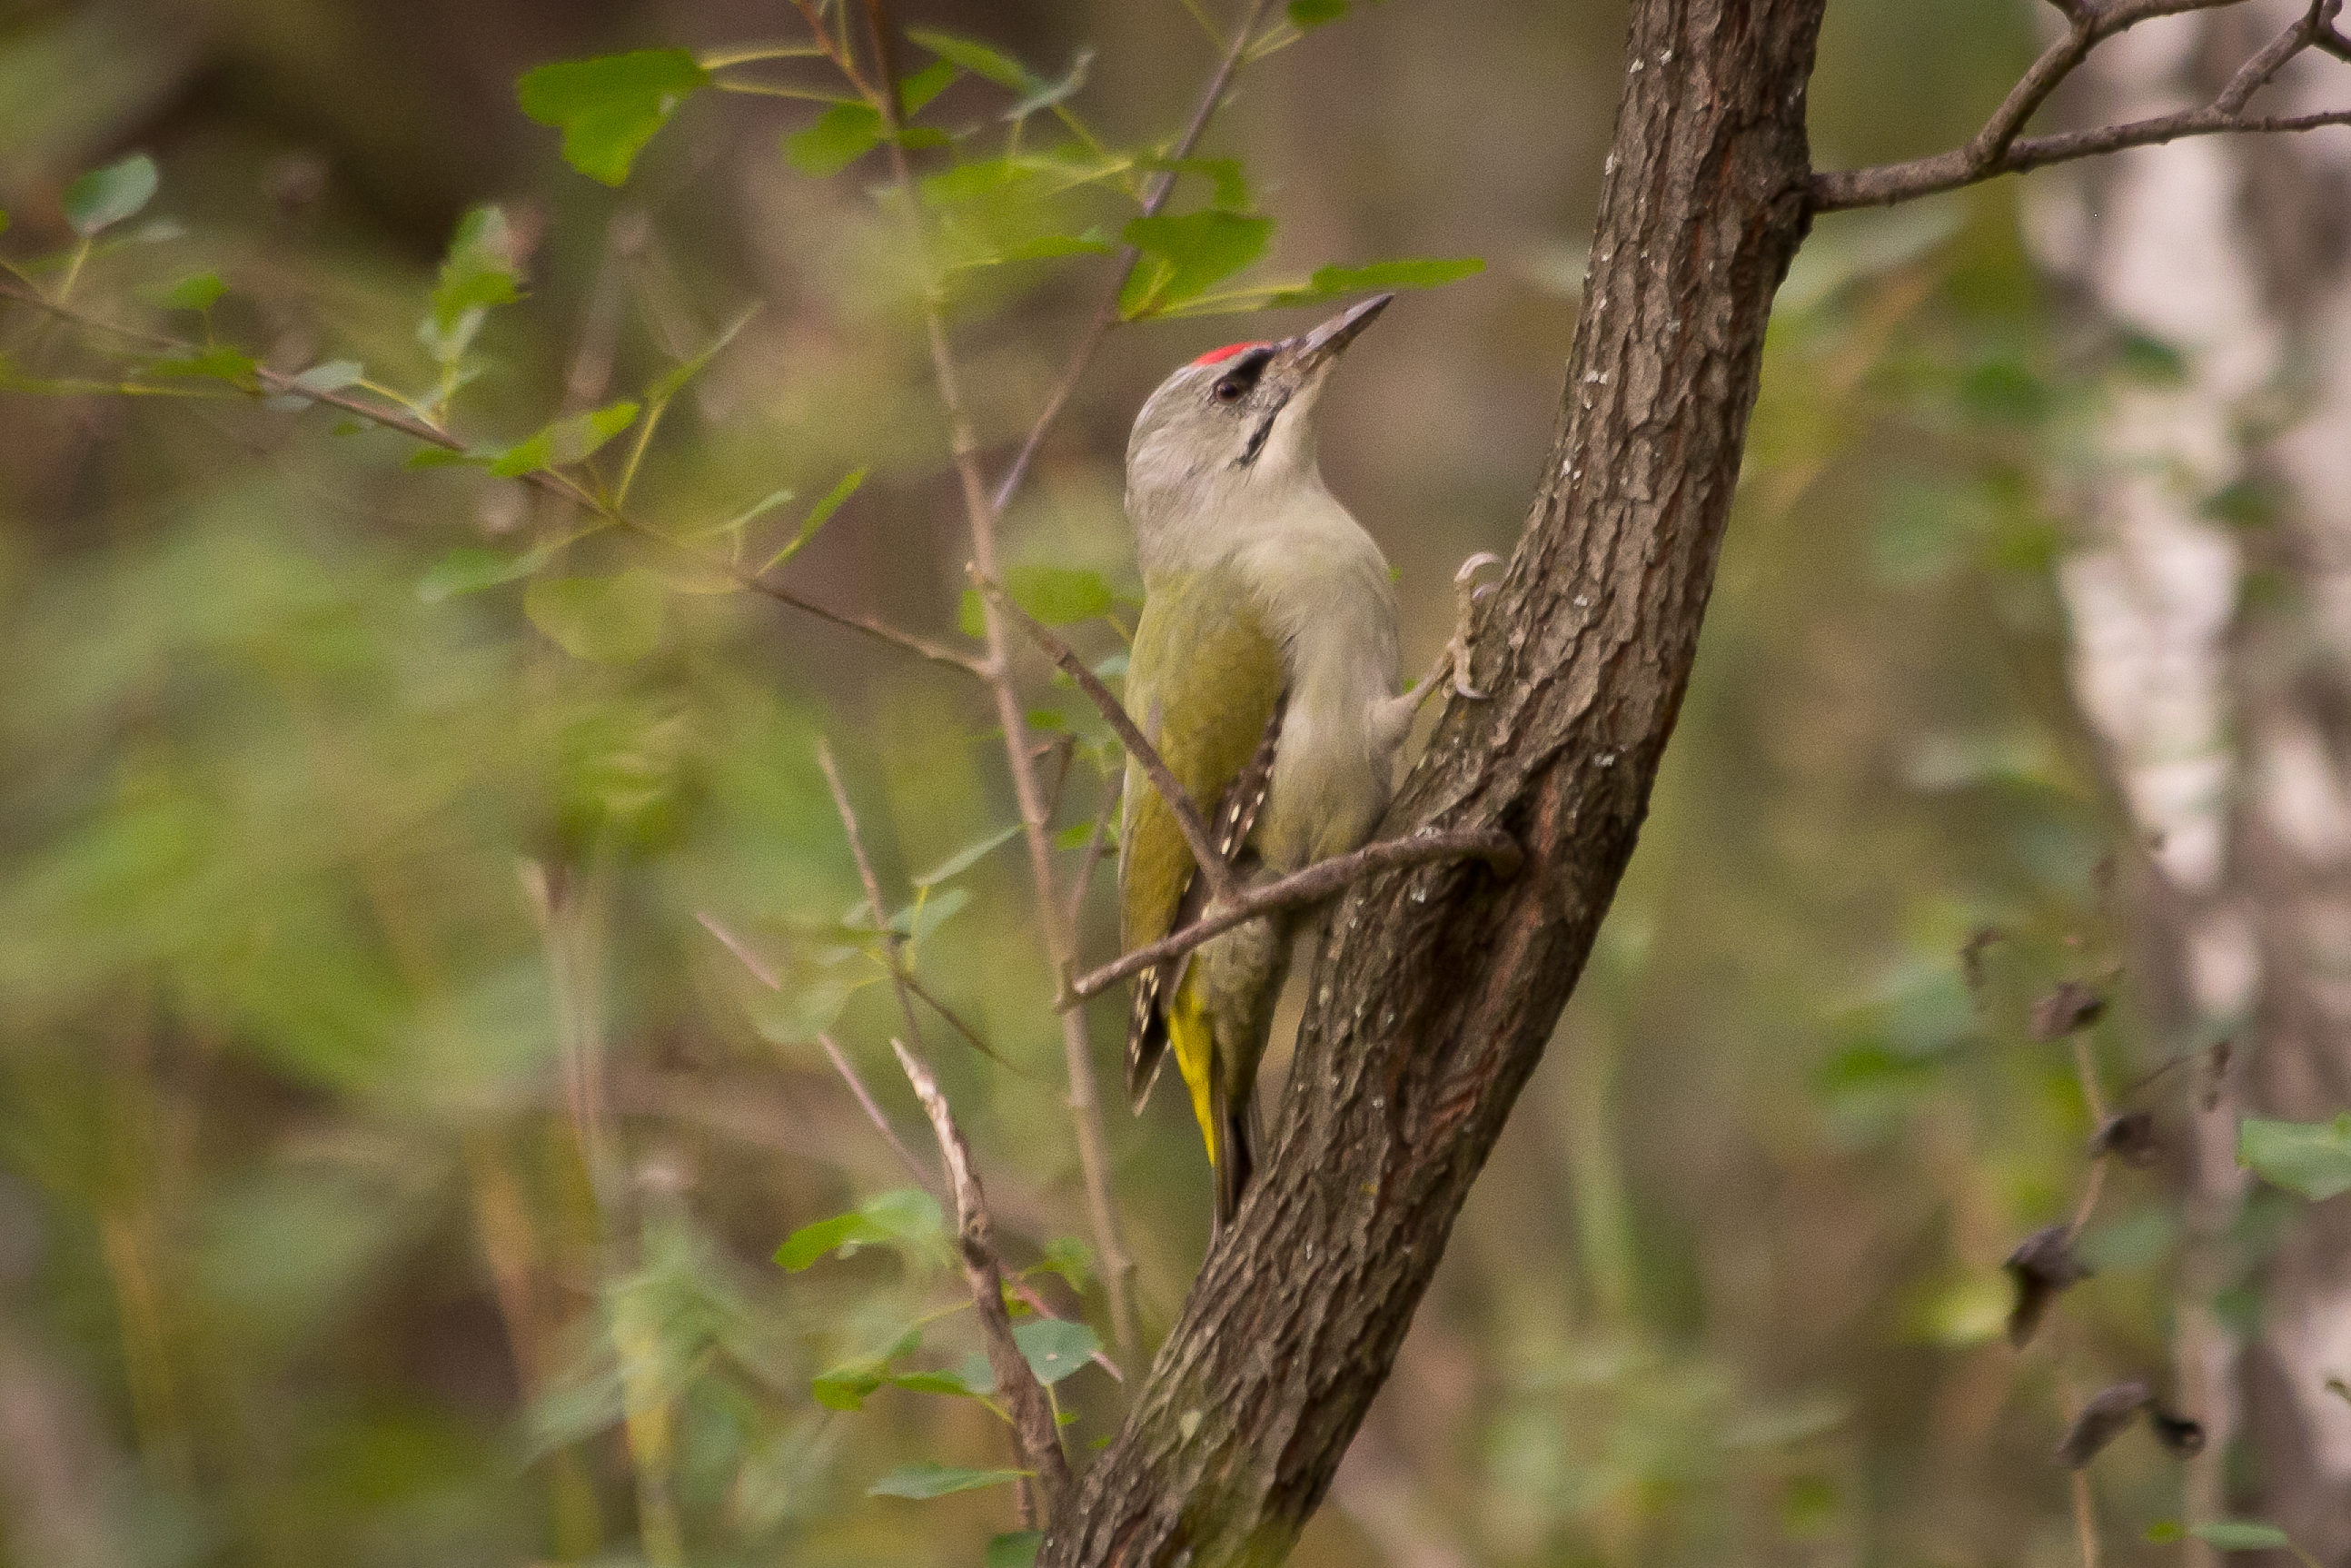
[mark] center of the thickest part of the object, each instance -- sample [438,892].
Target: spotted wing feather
[1236,818]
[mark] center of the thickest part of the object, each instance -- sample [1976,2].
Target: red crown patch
[1218,356]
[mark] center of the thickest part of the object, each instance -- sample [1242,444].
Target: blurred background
[408,1026]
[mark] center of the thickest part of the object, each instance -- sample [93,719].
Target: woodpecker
[1264,672]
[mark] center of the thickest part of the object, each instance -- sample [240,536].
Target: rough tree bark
[1439,985]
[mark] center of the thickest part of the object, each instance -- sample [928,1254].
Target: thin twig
[2085,1519]
[275,384]
[841,1064]
[1096,843]
[1316,881]
[1195,828]
[1107,313]
[1888,183]
[971,1036]
[892,945]
[980,516]
[1016,1382]
[1999,148]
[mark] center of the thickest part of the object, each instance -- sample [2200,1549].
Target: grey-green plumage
[1260,595]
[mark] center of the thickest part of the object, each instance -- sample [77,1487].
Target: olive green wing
[1204,680]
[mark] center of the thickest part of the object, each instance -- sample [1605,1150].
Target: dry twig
[1999,148]
[1033,1425]
[1308,885]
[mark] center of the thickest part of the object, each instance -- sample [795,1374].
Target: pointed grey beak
[1312,353]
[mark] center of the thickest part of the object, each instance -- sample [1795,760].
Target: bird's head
[1235,426]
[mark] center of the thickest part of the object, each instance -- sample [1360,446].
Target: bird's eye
[1228,390]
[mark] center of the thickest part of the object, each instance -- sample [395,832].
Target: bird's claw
[1467,591]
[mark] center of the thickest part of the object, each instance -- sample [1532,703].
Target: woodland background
[299,1259]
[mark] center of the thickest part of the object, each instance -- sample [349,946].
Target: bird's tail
[1236,1159]
[1228,1130]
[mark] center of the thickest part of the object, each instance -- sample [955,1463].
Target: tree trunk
[1438,987]
[2227,718]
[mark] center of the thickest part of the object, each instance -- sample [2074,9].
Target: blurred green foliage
[424,926]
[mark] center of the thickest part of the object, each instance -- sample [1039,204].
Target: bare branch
[2255,73]
[1316,881]
[1885,184]
[1998,148]
[929,1178]
[1032,1411]
[1106,314]
[1213,865]
[892,945]
[1096,843]
[1060,938]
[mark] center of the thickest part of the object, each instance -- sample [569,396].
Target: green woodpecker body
[1269,618]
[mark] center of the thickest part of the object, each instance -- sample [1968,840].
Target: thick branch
[1439,985]
[1033,1426]
[1310,886]
[1195,828]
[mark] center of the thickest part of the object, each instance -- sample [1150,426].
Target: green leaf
[1232,188]
[1330,282]
[1308,13]
[478,274]
[104,197]
[906,1214]
[1189,253]
[834,499]
[327,376]
[973,1380]
[1054,1346]
[605,620]
[469,568]
[917,91]
[846,1388]
[2312,1158]
[442,457]
[674,380]
[2164,1531]
[840,136]
[819,515]
[980,59]
[1017,1549]
[566,440]
[1067,1256]
[221,364]
[1045,95]
[925,1480]
[2241,1535]
[963,860]
[608,108]
[197,293]
[1057,595]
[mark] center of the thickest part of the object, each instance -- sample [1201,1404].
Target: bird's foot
[1391,717]
[1467,591]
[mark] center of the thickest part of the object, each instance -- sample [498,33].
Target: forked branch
[2000,149]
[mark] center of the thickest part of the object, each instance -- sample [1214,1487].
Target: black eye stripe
[1243,376]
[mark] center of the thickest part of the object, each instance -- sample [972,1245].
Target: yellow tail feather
[1195,1044]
